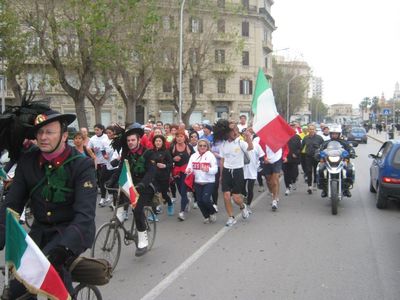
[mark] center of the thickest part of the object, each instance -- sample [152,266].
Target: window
[167,116]
[245,28]
[199,85]
[196,25]
[245,4]
[245,58]
[167,86]
[167,22]
[221,3]
[196,117]
[246,87]
[221,26]
[221,85]
[219,56]
[194,55]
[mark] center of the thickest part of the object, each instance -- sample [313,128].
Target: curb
[374,138]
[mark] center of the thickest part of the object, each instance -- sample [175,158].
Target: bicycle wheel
[86,292]
[107,243]
[151,226]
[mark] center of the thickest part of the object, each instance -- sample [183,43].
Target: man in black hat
[61,186]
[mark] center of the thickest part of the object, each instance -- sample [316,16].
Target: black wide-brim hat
[134,128]
[49,117]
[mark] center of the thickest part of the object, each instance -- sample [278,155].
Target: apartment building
[218,96]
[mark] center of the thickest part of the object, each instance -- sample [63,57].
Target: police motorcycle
[333,163]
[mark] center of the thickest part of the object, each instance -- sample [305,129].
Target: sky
[353,45]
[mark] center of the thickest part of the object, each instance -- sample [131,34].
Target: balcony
[223,38]
[268,72]
[267,17]
[267,46]
[221,97]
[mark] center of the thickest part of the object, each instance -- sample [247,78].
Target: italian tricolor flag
[28,263]
[126,184]
[272,129]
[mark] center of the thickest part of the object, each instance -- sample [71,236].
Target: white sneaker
[249,210]
[245,212]
[173,199]
[315,187]
[274,205]
[293,186]
[261,189]
[195,205]
[287,192]
[121,214]
[181,216]
[215,207]
[231,221]
[213,218]
[206,221]
[102,201]
[108,201]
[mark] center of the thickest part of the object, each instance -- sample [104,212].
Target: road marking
[167,281]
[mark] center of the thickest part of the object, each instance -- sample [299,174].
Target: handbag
[92,271]
[246,157]
[189,181]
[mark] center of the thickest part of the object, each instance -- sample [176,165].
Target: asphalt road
[299,252]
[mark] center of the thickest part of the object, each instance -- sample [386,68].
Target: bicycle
[107,242]
[81,290]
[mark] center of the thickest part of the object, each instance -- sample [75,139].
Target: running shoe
[261,189]
[274,205]
[153,218]
[195,205]
[231,221]
[287,192]
[213,218]
[181,216]
[309,190]
[206,221]
[293,186]
[245,212]
[215,207]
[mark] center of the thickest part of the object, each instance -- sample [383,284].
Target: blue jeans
[182,189]
[204,193]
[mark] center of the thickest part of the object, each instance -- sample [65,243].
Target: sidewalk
[381,137]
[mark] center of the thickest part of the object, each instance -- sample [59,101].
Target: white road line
[167,281]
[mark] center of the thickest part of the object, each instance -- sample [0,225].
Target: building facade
[217,96]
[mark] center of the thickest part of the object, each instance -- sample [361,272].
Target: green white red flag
[126,184]
[28,263]
[272,129]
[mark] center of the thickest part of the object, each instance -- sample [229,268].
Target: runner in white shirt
[100,145]
[232,163]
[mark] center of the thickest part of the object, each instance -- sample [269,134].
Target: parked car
[357,134]
[385,173]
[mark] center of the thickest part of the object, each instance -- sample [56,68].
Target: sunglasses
[202,145]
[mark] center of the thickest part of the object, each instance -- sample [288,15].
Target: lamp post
[288,96]
[180,60]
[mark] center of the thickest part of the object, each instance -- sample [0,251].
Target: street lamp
[180,60]
[288,95]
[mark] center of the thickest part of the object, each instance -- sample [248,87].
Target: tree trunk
[130,110]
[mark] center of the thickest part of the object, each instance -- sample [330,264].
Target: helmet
[335,129]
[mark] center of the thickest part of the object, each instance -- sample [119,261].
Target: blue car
[357,134]
[385,173]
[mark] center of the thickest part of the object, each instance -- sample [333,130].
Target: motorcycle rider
[335,134]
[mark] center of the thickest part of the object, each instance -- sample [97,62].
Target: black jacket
[69,223]
[294,145]
[312,144]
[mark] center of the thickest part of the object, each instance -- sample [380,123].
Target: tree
[297,89]
[364,104]
[318,109]
[205,55]
[74,38]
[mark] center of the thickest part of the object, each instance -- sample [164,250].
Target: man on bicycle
[142,170]
[61,186]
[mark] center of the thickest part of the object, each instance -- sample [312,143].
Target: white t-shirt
[232,153]
[99,144]
[241,127]
[272,156]
[250,170]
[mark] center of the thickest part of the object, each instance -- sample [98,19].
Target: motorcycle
[333,160]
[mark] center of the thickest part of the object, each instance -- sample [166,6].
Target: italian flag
[28,263]
[126,184]
[272,129]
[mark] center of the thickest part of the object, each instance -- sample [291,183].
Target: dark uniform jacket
[69,222]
